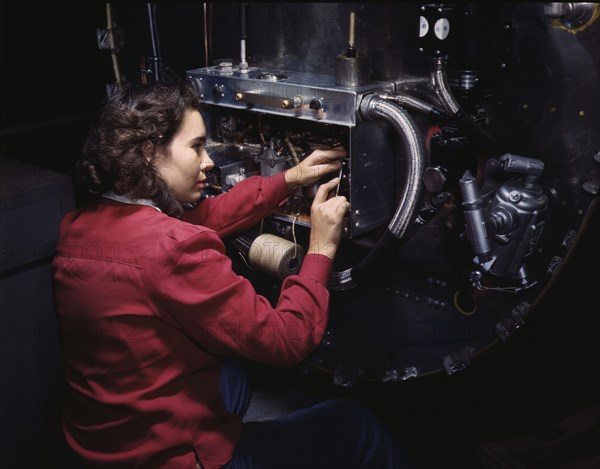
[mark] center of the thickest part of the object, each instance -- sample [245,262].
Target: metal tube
[416,104]
[205,35]
[463,120]
[441,87]
[154,40]
[111,40]
[374,107]
[473,210]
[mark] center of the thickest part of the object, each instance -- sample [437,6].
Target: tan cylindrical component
[275,256]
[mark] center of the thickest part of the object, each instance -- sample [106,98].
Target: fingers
[327,168]
[324,190]
[341,204]
[327,219]
[327,156]
[338,205]
[327,162]
[331,156]
[314,166]
[336,153]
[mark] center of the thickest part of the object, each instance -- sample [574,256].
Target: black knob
[315,104]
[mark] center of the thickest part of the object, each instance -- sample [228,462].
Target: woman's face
[183,164]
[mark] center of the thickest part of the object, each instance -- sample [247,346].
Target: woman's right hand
[327,216]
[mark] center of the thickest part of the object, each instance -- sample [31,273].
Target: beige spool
[276,256]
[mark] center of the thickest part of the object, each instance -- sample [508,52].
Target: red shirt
[146,305]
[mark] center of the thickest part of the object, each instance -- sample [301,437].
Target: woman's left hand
[314,166]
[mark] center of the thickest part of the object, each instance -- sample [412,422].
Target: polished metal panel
[309,96]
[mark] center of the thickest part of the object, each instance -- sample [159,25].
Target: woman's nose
[207,163]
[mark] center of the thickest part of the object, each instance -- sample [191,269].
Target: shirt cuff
[318,267]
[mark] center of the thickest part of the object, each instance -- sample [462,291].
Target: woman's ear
[150,150]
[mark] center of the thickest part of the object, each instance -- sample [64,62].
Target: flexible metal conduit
[441,87]
[451,106]
[374,107]
[416,104]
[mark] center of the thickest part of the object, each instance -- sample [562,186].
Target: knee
[348,416]
[374,444]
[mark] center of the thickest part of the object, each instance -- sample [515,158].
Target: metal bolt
[514,196]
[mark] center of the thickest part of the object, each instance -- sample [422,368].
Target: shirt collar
[128,200]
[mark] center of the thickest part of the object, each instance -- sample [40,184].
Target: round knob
[293,103]
[434,178]
[315,104]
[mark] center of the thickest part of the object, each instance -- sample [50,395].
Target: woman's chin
[190,198]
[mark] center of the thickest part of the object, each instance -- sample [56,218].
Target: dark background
[53,77]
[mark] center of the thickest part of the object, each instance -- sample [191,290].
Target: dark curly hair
[119,152]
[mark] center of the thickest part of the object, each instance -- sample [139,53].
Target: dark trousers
[333,434]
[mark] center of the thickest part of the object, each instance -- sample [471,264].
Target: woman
[149,306]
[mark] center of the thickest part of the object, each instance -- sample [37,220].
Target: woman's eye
[198,145]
